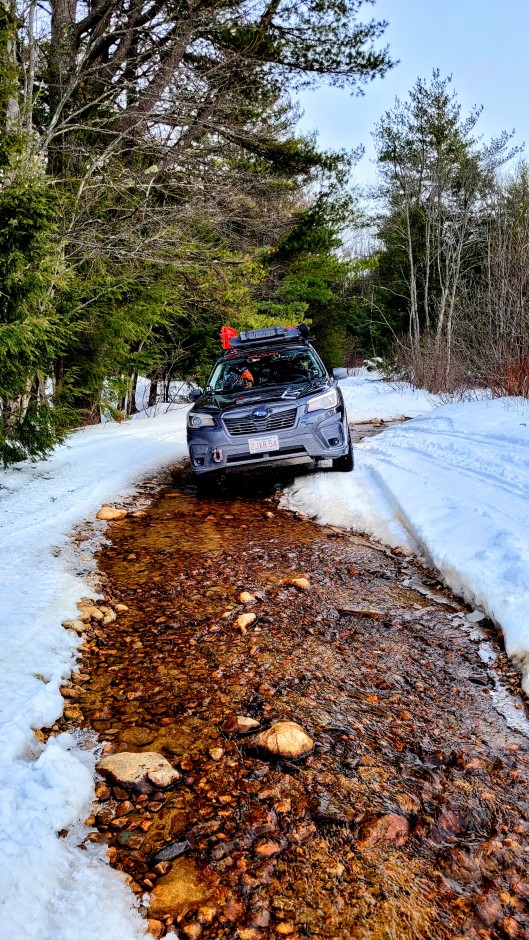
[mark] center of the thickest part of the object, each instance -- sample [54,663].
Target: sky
[483,44]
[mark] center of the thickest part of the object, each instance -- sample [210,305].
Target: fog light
[334,441]
[199,461]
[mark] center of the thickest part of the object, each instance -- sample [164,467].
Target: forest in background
[153,186]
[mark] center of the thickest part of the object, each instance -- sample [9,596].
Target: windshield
[263,369]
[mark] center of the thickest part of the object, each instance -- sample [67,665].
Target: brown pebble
[216,753]
[283,806]
[123,809]
[103,792]
[267,849]
[206,915]
[192,931]
[156,928]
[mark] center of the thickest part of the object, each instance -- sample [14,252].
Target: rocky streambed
[407,814]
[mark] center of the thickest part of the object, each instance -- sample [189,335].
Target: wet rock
[156,928]
[123,809]
[239,725]
[387,828]
[249,933]
[361,612]
[77,626]
[489,910]
[330,810]
[131,839]
[450,821]
[171,852]
[511,927]
[181,890]
[463,867]
[266,849]
[233,911]
[137,737]
[260,918]
[192,931]
[206,915]
[244,621]
[110,513]
[302,583]
[408,803]
[73,713]
[283,806]
[285,928]
[246,598]
[261,822]
[216,753]
[102,792]
[284,739]
[90,612]
[302,833]
[138,771]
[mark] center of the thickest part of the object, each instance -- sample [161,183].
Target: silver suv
[269,398]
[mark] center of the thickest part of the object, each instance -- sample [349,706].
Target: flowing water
[410,817]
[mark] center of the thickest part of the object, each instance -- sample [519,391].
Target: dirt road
[409,819]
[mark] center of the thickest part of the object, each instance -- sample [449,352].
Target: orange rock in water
[244,621]
[267,849]
[387,828]
[246,598]
[156,928]
[181,890]
[110,513]
[284,739]
[302,583]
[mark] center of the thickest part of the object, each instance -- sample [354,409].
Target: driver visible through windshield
[266,369]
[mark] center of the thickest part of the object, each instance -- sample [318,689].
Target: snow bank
[368,396]
[452,486]
[50,889]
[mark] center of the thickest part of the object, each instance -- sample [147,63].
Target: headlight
[323,402]
[200,421]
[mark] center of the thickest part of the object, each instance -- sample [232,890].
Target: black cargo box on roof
[269,334]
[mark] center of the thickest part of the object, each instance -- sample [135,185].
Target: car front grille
[245,424]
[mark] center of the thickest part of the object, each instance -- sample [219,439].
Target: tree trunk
[153,393]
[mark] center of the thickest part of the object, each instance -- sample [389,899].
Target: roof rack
[266,334]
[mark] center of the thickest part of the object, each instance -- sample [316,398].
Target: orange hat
[247,375]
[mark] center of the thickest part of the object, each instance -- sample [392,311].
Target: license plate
[259,444]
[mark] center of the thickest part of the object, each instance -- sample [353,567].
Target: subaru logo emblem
[260,412]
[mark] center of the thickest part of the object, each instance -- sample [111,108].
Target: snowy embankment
[49,888]
[451,486]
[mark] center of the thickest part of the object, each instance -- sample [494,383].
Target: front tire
[346,463]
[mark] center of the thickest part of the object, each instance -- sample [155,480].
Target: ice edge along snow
[50,888]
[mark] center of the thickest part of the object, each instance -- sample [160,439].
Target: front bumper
[318,436]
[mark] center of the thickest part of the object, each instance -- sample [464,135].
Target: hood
[250,397]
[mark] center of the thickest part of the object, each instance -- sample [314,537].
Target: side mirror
[339,373]
[195,394]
